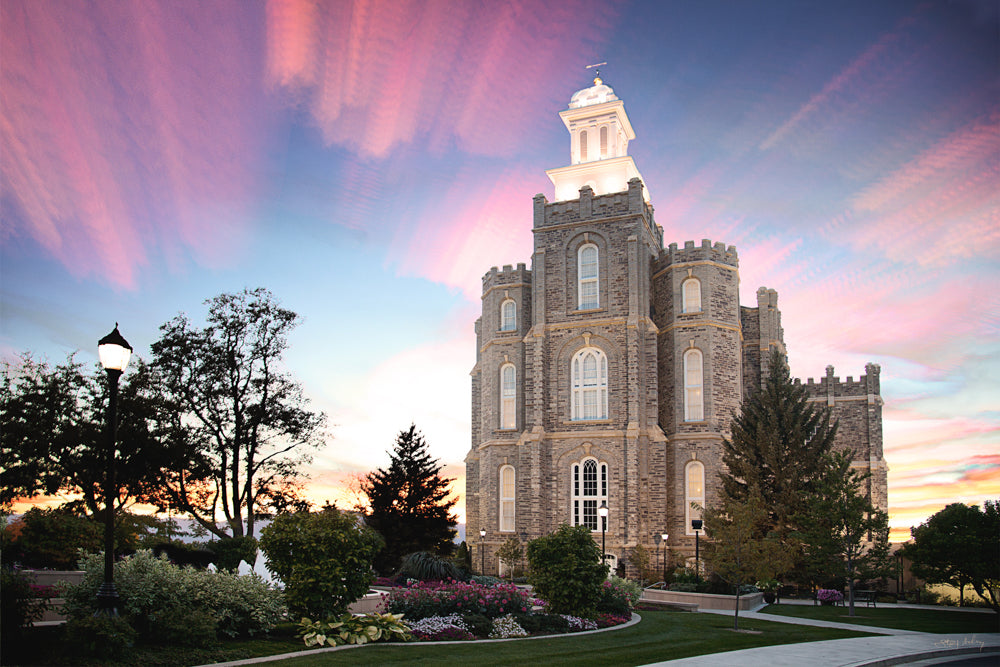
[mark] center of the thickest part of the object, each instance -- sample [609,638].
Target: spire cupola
[599,132]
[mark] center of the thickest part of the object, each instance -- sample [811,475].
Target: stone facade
[617,378]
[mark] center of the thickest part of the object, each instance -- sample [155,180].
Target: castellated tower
[608,372]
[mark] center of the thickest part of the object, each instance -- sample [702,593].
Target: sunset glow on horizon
[368,161]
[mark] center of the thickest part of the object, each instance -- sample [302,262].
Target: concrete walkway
[895,648]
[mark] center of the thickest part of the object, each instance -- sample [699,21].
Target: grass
[661,635]
[937,621]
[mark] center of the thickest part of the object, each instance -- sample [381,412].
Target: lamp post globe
[696,524]
[482,551]
[114,353]
[663,538]
[603,512]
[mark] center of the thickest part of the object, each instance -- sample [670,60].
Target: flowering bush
[441,628]
[619,596]
[579,624]
[444,598]
[829,595]
[506,627]
[611,620]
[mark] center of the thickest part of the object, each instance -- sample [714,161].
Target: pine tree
[778,444]
[408,503]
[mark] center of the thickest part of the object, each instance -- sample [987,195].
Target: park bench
[868,597]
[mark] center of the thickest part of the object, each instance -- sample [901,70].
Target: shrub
[505,627]
[445,598]
[478,624]
[153,590]
[485,580]
[191,627]
[425,566]
[19,604]
[829,595]
[566,570]
[107,637]
[619,596]
[50,539]
[324,559]
[350,629]
[230,551]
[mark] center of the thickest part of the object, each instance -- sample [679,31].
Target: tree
[242,417]
[408,503]
[324,559]
[641,561]
[960,546]
[843,536]
[777,446]
[565,570]
[511,552]
[743,548]
[53,437]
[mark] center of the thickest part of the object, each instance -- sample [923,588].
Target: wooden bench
[868,597]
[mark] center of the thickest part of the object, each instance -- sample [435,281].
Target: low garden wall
[703,600]
[51,578]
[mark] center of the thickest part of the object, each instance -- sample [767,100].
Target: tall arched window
[694,492]
[694,402]
[587,277]
[508,315]
[507,492]
[508,396]
[590,488]
[691,295]
[590,384]
[583,145]
[604,141]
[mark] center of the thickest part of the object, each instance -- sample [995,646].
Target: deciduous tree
[234,404]
[408,503]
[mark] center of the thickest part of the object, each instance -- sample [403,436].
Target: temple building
[607,372]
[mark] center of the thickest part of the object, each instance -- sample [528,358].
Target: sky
[369,161]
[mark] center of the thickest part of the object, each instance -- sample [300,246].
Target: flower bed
[829,596]
[443,598]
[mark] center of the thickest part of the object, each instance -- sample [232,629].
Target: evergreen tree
[844,538]
[408,503]
[777,446]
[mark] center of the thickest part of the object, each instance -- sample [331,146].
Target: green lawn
[938,621]
[661,635]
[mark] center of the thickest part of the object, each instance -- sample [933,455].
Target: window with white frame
[587,277]
[694,403]
[694,493]
[508,315]
[508,397]
[590,489]
[589,394]
[507,489]
[691,295]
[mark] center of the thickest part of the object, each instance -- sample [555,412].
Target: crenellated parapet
[831,388]
[597,208]
[706,252]
[506,277]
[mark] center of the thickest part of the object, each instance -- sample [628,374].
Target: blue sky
[368,162]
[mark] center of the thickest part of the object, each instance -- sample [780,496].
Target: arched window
[507,492]
[590,384]
[691,295]
[508,396]
[590,488]
[694,404]
[604,141]
[587,275]
[508,315]
[694,492]
[583,145]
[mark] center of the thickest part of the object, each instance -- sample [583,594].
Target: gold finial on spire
[597,73]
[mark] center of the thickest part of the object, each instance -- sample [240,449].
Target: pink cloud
[375,74]
[124,131]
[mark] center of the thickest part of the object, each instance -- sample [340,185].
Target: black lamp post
[482,551]
[696,524]
[664,537]
[114,352]
[603,512]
